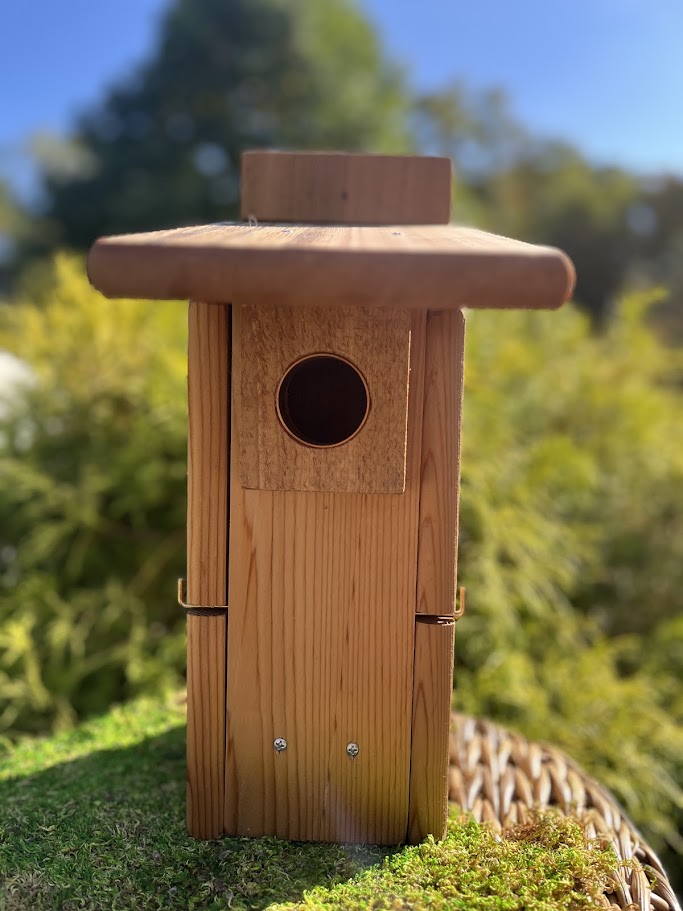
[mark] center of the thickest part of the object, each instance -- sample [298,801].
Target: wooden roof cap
[428,264]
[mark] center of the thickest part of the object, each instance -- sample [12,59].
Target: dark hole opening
[322,400]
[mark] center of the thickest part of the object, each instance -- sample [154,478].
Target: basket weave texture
[499,776]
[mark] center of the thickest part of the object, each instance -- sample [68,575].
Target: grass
[94,819]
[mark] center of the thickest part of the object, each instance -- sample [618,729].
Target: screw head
[280,744]
[352,749]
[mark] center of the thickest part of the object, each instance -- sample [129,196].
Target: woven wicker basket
[499,776]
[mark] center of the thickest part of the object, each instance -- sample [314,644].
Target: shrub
[92,502]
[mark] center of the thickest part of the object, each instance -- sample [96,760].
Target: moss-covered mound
[94,819]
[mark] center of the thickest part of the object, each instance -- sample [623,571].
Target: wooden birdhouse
[326,341]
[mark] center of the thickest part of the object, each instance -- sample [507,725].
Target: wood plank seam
[435,619]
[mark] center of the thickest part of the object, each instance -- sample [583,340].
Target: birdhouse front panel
[321,638]
[323,402]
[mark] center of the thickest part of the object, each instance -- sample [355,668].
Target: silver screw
[280,744]
[352,749]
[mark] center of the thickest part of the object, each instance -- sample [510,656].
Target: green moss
[94,819]
[542,865]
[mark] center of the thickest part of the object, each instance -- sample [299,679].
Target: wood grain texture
[440,475]
[320,650]
[208,446]
[377,343]
[346,188]
[432,688]
[435,267]
[207,523]
[206,657]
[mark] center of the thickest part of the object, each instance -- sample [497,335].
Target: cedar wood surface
[345,188]
[440,474]
[320,650]
[206,650]
[435,267]
[377,343]
[432,688]
[436,575]
[207,524]
[207,458]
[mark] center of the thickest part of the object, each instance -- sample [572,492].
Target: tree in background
[659,216]
[621,230]
[163,148]
[555,197]
[15,225]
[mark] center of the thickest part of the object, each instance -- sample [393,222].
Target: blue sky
[605,74]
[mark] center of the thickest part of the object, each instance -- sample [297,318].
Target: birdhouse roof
[436,267]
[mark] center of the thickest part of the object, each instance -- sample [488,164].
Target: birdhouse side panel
[208,452]
[207,531]
[432,690]
[440,473]
[305,349]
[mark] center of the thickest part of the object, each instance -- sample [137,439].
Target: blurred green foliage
[571,527]
[572,545]
[92,494]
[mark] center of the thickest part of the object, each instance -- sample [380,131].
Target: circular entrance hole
[322,400]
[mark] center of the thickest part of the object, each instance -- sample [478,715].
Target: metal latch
[196,610]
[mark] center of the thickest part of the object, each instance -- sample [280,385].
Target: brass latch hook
[197,609]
